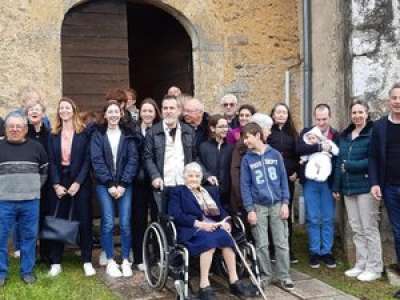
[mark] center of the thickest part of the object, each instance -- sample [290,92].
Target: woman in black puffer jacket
[283,138]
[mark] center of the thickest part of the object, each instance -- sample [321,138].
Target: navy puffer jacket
[102,159]
[351,166]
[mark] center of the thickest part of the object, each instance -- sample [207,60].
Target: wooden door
[95,52]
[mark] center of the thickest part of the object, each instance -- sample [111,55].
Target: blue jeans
[391,196]
[107,220]
[16,237]
[26,214]
[320,217]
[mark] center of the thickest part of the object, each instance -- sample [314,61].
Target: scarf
[206,202]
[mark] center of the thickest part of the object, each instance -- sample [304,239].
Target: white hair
[229,97]
[193,167]
[17,115]
[262,120]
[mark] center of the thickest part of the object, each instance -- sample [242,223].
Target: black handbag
[62,230]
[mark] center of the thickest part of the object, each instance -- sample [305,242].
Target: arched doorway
[121,43]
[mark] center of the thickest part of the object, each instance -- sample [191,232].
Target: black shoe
[207,293]
[29,279]
[242,289]
[329,261]
[397,295]
[314,261]
[2,282]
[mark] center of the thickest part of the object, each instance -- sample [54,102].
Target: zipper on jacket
[267,179]
[348,158]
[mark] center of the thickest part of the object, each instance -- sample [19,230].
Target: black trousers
[82,212]
[290,223]
[143,206]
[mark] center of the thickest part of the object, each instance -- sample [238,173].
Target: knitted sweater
[23,170]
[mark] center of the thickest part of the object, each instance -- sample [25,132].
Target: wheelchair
[165,258]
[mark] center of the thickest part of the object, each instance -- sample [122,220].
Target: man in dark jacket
[320,213]
[1,127]
[169,146]
[194,115]
[384,177]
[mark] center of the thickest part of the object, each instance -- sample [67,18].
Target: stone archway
[107,44]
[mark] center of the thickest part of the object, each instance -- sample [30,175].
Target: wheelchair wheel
[155,256]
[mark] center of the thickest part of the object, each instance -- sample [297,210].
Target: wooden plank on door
[95,52]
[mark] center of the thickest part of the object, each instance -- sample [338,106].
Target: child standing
[265,194]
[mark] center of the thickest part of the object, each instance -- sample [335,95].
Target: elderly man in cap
[23,170]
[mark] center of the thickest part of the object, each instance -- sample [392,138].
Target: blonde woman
[69,181]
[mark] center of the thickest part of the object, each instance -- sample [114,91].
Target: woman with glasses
[215,156]
[245,113]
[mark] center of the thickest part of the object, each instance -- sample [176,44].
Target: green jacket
[351,166]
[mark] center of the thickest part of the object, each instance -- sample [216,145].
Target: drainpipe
[307,49]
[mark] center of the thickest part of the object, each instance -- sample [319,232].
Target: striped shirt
[23,170]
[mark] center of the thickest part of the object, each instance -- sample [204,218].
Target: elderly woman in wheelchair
[202,227]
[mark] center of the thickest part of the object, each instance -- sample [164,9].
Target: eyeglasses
[231,104]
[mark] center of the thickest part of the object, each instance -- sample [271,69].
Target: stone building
[209,48]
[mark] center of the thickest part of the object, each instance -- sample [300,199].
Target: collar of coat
[365,131]
[159,128]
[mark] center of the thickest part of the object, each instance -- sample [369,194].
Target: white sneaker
[55,270]
[88,269]
[103,259]
[369,276]
[17,254]
[126,267]
[141,267]
[354,272]
[112,269]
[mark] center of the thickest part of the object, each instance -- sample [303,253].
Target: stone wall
[242,47]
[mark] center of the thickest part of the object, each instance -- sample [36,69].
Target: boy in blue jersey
[265,194]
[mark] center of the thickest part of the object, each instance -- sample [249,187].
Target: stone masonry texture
[242,47]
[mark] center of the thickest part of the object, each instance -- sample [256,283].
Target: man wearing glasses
[194,115]
[22,161]
[229,105]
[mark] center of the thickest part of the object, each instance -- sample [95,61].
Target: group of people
[237,161]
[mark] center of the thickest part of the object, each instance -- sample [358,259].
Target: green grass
[378,290]
[70,285]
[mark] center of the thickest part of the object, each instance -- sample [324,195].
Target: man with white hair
[22,161]
[195,116]
[229,106]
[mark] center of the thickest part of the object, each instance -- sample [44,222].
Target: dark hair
[118,95]
[156,109]
[212,122]
[168,97]
[289,126]
[106,106]
[363,104]
[249,107]
[323,106]
[251,128]
[394,86]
